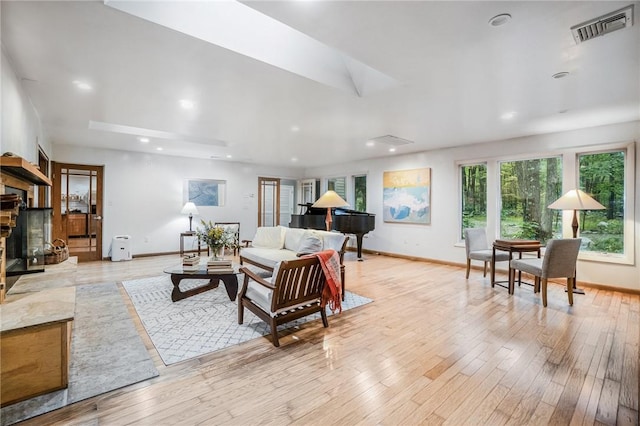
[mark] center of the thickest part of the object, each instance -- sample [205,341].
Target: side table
[187,234]
[512,246]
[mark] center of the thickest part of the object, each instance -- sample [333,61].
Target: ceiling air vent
[391,140]
[603,25]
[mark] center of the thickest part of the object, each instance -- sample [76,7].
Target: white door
[286,204]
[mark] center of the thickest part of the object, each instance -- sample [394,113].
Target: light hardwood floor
[433,348]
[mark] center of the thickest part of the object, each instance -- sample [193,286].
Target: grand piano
[344,220]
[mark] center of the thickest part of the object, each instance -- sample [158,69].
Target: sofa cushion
[269,237]
[311,243]
[293,238]
[266,256]
[331,240]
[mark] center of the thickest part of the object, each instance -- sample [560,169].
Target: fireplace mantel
[23,170]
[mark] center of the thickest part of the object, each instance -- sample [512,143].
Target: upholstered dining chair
[559,261]
[232,228]
[475,243]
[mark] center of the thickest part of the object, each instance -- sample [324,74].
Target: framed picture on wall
[205,192]
[407,196]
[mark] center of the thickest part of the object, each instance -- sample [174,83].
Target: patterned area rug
[107,353]
[202,323]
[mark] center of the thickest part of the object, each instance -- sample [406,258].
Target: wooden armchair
[293,292]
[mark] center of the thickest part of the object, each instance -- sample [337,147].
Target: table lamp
[576,200]
[190,209]
[328,200]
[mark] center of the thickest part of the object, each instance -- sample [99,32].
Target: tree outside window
[474,196]
[601,175]
[526,189]
[360,190]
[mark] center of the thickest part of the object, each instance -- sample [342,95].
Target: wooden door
[268,201]
[77,208]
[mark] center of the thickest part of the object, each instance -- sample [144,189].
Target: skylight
[246,31]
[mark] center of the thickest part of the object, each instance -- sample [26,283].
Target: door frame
[59,226]
[262,181]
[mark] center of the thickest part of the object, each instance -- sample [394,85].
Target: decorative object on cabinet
[190,209]
[205,192]
[406,196]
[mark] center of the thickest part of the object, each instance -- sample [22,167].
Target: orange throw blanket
[332,292]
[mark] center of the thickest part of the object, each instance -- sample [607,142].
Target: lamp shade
[576,200]
[189,208]
[330,199]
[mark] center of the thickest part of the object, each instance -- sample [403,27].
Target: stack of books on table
[219,266]
[190,262]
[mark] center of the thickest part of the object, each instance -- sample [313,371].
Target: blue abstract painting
[205,192]
[406,196]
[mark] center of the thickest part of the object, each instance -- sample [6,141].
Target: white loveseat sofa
[273,244]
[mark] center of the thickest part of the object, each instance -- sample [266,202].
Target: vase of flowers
[216,237]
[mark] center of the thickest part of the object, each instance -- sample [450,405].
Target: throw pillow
[269,237]
[311,243]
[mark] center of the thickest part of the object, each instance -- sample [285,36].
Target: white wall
[20,130]
[143,194]
[439,240]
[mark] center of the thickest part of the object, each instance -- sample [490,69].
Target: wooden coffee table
[230,281]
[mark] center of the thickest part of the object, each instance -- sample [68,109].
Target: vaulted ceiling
[298,83]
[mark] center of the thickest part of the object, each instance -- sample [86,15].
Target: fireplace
[26,244]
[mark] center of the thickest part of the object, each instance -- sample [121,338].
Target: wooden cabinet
[35,343]
[76,224]
[35,361]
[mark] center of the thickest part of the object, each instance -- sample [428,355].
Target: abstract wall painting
[406,196]
[205,192]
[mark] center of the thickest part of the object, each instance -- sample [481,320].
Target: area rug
[202,323]
[107,353]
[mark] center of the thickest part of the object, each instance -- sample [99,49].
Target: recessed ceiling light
[508,115]
[370,143]
[498,20]
[143,139]
[294,159]
[392,150]
[295,128]
[229,155]
[82,85]
[186,104]
[159,148]
[562,74]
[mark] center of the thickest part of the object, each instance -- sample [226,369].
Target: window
[601,175]
[526,189]
[360,191]
[339,185]
[474,196]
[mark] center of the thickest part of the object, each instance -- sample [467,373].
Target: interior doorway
[268,201]
[77,208]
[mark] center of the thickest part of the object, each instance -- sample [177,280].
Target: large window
[339,185]
[360,193]
[526,189]
[474,196]
[602,175]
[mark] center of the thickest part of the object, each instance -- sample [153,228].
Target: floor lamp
[576,200]
[329,200]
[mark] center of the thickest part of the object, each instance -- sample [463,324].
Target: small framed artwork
[205,192]
[406,196]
